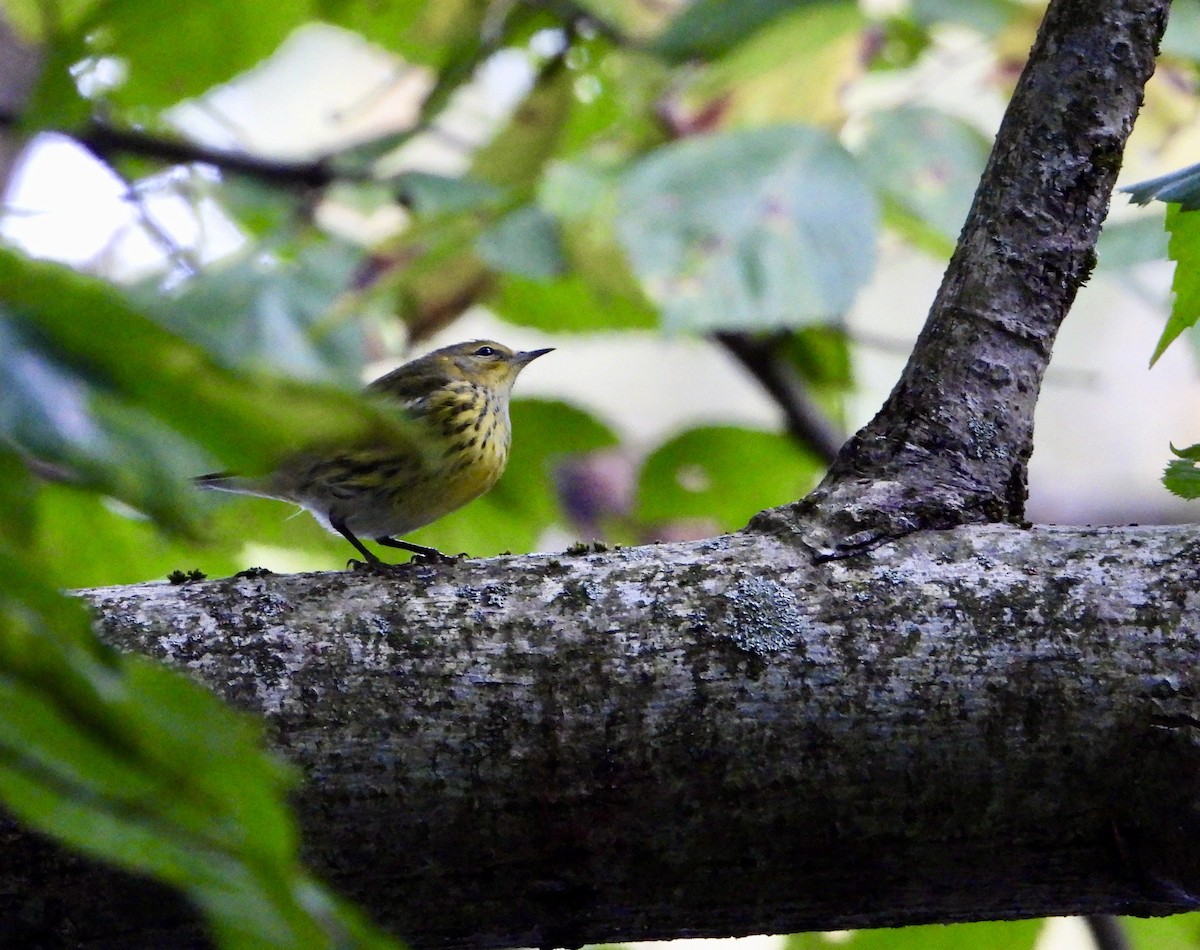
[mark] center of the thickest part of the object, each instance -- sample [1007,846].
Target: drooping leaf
[245,420]
[1184,250]
[786,241]
[725,474]
[76,432]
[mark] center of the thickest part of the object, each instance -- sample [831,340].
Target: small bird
[457,397]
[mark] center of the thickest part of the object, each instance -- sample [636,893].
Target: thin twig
[805,421]
[104,140]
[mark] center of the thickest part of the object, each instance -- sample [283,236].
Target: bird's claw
[437,557]
[371,567]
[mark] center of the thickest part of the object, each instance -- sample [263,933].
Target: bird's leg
[339,525]
[428,554]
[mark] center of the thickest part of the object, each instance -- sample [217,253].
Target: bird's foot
[372,567]
[437,557]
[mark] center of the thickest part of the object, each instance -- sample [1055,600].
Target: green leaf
[55,101]
[137,765]
[723,473]
[708,28]
[382,23]
[617,93]
[786,241]
[50,414]
[989,17]
[994,935]
[246,420]
[796,68]
[17,496]
[1182,478]
[443,33]
[1181,932]
[1183,32]
[570,304]
[600,292]
[260,314]
[524,242]
[926,165]
[516,157]
[261,210]
[84,540]
[199,46]
[1181,187]
[429,194]
[1192,452]
[1184,249]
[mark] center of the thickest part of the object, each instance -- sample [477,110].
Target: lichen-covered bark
[951,443]
[724,737]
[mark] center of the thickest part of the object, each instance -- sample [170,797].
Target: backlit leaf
[1184,250]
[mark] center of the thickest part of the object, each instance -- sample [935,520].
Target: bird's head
[485,362]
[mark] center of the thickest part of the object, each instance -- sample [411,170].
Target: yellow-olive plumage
[458,398]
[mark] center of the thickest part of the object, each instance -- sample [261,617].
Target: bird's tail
[224,481]
[240,485]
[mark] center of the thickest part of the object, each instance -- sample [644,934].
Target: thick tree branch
[951,443]
[722,737]
[734,736]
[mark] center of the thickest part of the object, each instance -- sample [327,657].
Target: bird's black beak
[526,357]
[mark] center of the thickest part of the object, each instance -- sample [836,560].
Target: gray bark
[951,443]
[724,737]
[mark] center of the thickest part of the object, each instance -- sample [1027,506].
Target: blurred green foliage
[685,168]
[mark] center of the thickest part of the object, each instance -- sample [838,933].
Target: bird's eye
[486,351]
